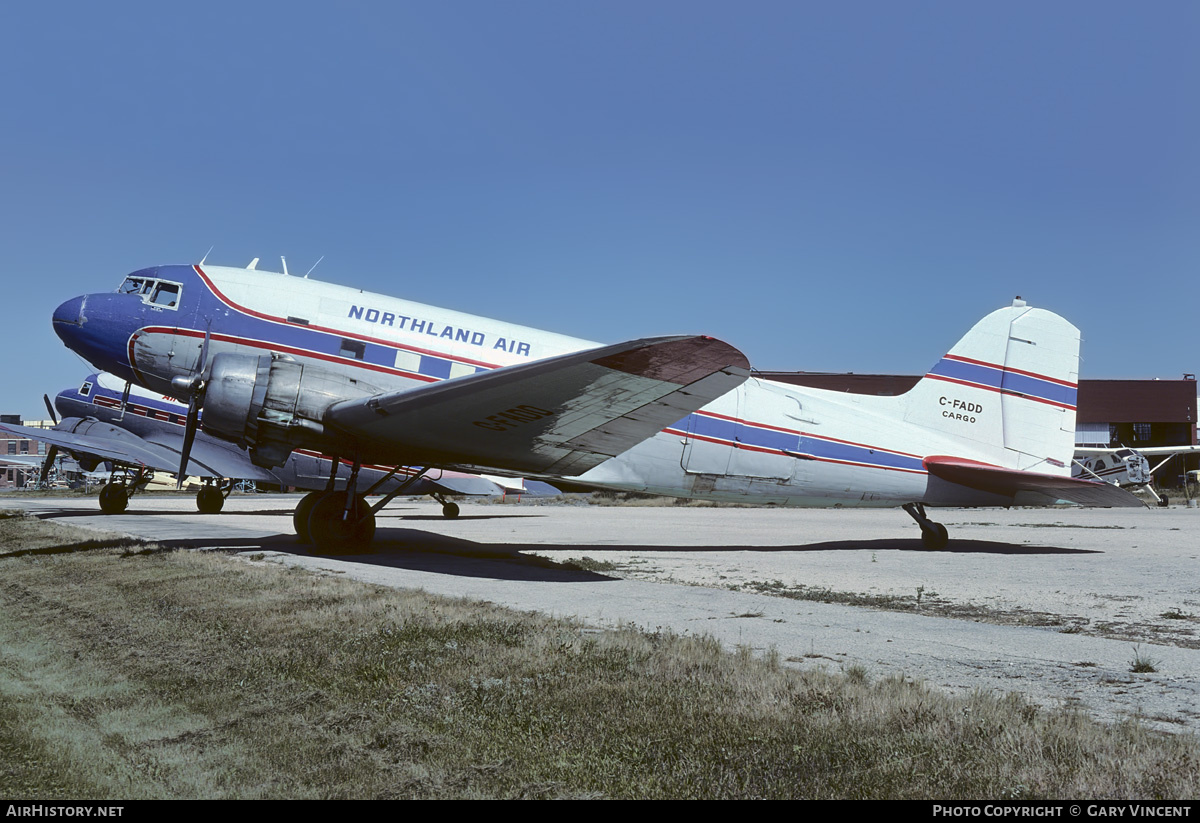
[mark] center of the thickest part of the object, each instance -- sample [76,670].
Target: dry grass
[130,674]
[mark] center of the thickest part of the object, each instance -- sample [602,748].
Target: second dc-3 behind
[280,363]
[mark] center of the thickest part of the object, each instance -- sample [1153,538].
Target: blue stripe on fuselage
[740,434]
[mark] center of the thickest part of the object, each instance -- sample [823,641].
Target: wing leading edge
[1013,482]
[560,416]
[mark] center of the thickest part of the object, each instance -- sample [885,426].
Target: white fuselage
[765,441]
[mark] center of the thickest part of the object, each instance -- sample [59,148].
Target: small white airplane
[138,432]
[280,363]
[1128,468]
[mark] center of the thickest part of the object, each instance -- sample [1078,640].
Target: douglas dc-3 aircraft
[281,363]
[139,432]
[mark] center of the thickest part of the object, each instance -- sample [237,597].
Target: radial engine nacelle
[274,404]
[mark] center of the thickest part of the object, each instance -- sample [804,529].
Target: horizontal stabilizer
[560,416]
[1013,482]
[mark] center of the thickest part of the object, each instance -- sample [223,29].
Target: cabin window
[354,349]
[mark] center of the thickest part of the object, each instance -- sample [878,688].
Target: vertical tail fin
[1006,391]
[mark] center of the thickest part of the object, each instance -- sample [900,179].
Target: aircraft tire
[450,510]
[333,533]
[209,500]
[935,538]
[113,499]
[1163,501]
[301,514]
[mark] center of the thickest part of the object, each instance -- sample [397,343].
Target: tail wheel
[335,530]
[113,499]
[935,538]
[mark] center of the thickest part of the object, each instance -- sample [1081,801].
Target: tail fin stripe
[1007,392]
[1009,369]
[1006,381]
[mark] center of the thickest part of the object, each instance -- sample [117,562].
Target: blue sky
[828,186]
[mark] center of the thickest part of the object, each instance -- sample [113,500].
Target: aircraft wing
[559,416]
[1011,482]
[105,442]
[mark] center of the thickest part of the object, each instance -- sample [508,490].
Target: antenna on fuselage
[253,263]
[206,254]
[310,271]
[283,260]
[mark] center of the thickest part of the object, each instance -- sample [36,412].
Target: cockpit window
[155,292]
[86,388]
[165,294]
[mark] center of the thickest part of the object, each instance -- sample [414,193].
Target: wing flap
[560,416]
[1013,482]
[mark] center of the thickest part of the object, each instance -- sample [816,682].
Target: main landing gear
[211,497]
[933,535]
[122,483]
[343,521]
[113,498]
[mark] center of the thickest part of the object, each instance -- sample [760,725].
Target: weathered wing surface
[91,438]
[1013,482]
[559,417]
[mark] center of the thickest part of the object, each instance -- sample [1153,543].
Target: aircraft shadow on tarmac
[420,550]
[287,512]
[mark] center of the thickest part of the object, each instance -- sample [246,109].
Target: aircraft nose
[70,312]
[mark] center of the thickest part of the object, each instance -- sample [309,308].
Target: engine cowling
[274,404]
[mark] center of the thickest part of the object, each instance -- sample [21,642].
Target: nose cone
[62,402]
[97,328]
[69,313]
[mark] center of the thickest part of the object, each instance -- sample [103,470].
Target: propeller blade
[50,408]
[51,453]
[189,437]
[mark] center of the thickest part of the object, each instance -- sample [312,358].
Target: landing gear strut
[933,535]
